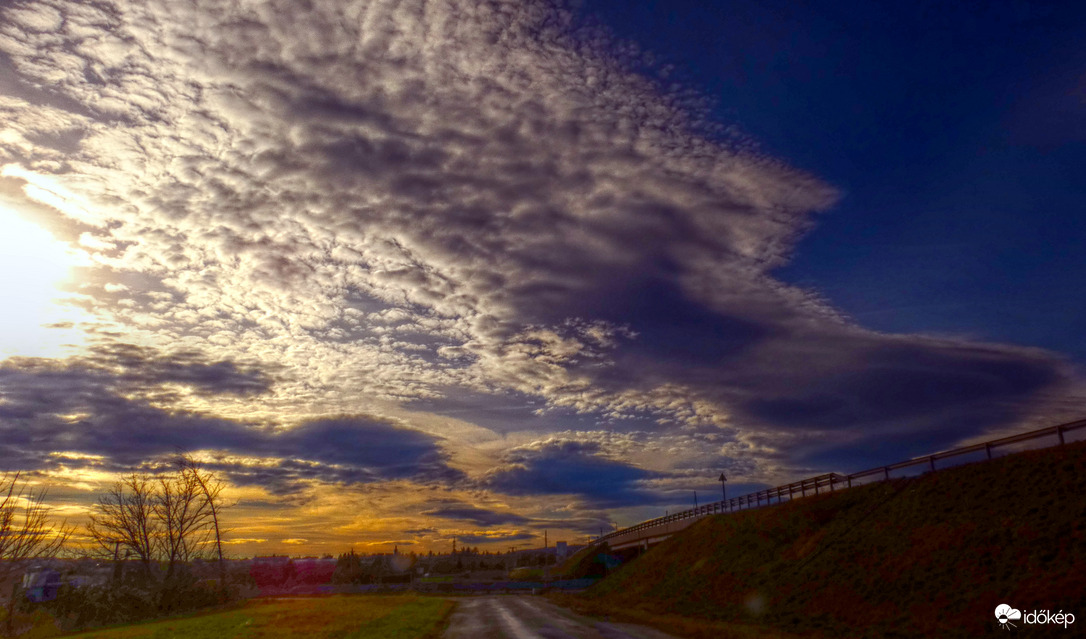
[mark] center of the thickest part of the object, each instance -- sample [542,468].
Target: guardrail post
[931,461]
[816,486]
[1059,431]
[850,481]
[886,470]
[988,449]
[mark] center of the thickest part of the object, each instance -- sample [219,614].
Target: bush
[134,599]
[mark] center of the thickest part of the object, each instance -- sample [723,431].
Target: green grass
[929,556]
[336,617]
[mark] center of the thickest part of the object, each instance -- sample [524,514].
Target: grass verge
[336,617]
[928,556]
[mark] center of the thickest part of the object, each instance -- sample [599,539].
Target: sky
[405,271]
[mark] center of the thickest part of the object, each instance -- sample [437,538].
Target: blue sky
[404,271]
[956,131]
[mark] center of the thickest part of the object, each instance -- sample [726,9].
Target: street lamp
[723,491]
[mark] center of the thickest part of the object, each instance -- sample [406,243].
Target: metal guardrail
[834,481]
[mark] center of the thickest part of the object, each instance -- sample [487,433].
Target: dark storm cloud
[53,406]
[141,366]
[572,468]
[292,476]
[478,516]
[907,380]
[354,450]
[486,538]
[420,531]
[501,412]
[50,407]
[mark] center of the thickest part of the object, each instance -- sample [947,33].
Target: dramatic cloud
[138,366]
[557,467]
[495,537]
[413,210]
[478,516]
[73,415]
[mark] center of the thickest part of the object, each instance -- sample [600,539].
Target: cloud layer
[76,415]
[300,211]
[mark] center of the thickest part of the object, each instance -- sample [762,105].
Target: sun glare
[32,265]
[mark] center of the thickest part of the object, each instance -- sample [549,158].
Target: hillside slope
[928,556]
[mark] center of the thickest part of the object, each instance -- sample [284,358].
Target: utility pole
[695,499]
[545,546]
[116,561]
[723,491]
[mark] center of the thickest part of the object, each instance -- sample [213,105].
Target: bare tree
[171,518]
[26,532]
[184,517]
[125,518]
[211,487]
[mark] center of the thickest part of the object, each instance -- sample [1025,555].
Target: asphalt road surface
[526,617]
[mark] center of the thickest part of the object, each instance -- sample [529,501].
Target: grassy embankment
[342,617]
[928,556]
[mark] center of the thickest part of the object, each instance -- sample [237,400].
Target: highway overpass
[653,531]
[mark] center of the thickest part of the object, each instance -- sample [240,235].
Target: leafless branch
[26,532]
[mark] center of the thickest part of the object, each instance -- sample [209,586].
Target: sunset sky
[404,271]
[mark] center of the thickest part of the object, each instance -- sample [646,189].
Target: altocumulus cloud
[398,200]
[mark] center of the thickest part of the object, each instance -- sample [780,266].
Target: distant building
[560,549]
[41,585]
[272,560]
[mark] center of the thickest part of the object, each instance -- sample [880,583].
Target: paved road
[527,617]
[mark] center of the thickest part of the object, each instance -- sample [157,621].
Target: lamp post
[723,490]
